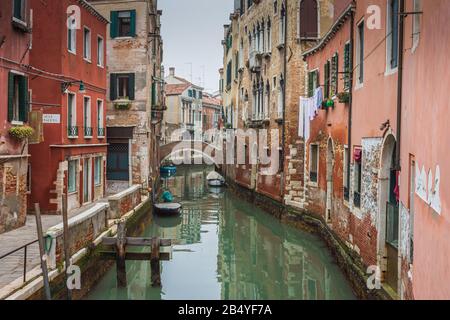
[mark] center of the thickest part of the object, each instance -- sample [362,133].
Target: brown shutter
[308,19]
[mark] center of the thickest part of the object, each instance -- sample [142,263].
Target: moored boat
[167,209]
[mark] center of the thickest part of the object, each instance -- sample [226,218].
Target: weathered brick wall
[124,202]
[13,194]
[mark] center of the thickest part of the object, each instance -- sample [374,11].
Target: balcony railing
[88,131]
[101,132]
[72,131]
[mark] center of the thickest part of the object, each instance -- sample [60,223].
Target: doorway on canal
[226,248]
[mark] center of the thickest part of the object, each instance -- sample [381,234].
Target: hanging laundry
[318,97]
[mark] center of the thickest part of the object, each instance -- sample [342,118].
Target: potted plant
[228,125]
[122,104]
[21,132]
[343,97]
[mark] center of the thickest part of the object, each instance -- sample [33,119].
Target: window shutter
[131,85]
[153,93]
[10,96]
[326,79]
[347,66]
[114,24]
[23,99]
[310,84]
[133,23]
[113,86]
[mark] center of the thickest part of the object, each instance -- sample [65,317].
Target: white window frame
[359,84]
[389,70]
[87,44]
[314,183]
[100,51]
[98,170]
[100,115]
[24,13]
[76,176]
[74,111]
[73,44]
[87,118]
[416,24]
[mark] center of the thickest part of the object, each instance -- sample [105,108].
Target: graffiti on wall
[427,187]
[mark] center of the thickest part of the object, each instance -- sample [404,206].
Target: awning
[357,155]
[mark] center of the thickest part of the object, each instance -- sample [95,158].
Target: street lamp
[65,86]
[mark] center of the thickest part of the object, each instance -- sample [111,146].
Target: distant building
[184,108]
[135,94]
[71,157]
[14,81]
[211,113]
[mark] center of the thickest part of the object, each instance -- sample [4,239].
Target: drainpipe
[283,128]
[400,84]
[350,99]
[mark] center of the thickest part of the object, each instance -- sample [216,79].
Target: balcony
[101,132]
[88,132]
[72,131]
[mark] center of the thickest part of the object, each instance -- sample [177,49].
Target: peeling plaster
[370,167]
[428,189]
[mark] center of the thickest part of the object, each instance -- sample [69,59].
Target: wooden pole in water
[154,263]
[66,241]
[42,254]
[120,255]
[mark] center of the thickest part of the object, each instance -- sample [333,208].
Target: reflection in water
[225,248]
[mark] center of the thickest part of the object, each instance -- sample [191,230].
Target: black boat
[167,209]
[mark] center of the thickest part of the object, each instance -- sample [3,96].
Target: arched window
[309,19]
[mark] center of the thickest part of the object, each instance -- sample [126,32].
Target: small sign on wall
[51,118]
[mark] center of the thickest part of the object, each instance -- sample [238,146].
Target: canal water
[226,248]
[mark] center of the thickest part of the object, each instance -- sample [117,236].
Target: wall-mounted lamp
[65,86]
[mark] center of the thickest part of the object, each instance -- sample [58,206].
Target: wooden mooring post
[118,246]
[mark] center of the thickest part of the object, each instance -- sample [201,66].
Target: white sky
[192,32]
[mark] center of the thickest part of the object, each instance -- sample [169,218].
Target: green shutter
[347,65]
[310,84]
[114,27]
[131,85]
[113,86]
[154,93]
[10,96]
[23,99]
[133,23]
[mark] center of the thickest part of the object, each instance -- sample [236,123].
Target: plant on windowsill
[328,103]
[122,104]
[343,97]
[21,132]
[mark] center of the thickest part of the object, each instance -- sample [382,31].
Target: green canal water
[226,248]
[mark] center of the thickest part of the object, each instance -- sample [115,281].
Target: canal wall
[87,231]
[347,260]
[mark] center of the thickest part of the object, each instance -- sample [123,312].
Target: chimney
[172,71]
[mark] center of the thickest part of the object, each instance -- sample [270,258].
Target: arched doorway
[388,225]
[330,167]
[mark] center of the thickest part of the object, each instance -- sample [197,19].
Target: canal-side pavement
[12,267]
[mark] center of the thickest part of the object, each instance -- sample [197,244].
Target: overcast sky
[192,32]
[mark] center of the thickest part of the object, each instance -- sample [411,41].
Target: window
[100,115]
[17,97]
[346,173]
[122,86]
[87,117]
[72,176]
[327,76]
[98,171]
[313,162]
[416,23]
[282,27]
[358,177]
[360,52]
[393,33]
[313,80]
[123,24]
[71,116]
[249,3]
[275,7]
[347,66]
[334,75]
[229,73]
[29,184]
[269,36]
[100,52]
[309,19]
[72,36]
[19,10]
[87,44]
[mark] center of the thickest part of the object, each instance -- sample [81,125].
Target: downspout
[350,99]
[400,84]
[283,128]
